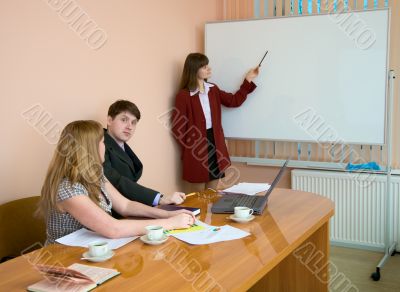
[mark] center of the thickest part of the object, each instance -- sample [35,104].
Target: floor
[355,267]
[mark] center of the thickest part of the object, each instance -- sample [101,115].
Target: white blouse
[205,103]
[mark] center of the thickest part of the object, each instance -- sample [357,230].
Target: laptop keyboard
[245,201]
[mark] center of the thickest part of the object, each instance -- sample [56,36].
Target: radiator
[360,205]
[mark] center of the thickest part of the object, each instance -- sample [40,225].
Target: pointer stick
[259,65]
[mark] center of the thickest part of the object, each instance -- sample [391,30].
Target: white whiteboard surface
[323,80]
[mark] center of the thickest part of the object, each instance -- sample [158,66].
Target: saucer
[154,242]
[90,258]
[241,220]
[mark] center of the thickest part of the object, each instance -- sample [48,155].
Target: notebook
[77,278]
[195,211]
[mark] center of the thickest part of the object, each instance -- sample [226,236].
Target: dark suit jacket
[123,170]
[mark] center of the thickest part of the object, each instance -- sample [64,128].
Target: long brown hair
[76,158]
[193,63]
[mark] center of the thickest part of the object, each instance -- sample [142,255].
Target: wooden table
[288,250]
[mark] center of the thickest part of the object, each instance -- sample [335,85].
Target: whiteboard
[323,80]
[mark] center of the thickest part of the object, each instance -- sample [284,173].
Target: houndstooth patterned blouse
[60,224]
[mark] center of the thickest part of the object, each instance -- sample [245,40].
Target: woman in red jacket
[196,122]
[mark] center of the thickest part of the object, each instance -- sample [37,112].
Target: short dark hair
[121,106]
[193,63]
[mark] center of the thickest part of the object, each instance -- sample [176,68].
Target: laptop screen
[277,178]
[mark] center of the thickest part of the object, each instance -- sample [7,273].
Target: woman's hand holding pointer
[253,73]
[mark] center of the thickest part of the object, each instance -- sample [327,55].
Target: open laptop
[227,203]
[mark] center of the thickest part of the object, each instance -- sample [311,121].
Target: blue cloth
[363,166]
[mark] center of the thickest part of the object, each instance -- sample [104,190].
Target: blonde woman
[76,194]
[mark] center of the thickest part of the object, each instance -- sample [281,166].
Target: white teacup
[243,212]
[154,232]
[98,249]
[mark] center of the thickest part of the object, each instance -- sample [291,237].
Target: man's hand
[175,198]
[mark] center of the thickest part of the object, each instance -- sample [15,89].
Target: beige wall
[45,62]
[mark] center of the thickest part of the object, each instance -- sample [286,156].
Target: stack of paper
[248,188]
[84,237]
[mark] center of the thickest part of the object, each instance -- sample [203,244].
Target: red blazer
[189,129]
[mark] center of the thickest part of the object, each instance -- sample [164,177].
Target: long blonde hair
[76,158]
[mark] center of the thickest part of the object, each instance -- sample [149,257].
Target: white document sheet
[211,234]
[248,188]
[84,237]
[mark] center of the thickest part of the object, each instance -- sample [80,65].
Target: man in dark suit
[121,166]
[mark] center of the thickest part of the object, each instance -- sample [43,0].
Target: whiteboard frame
[385,134]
